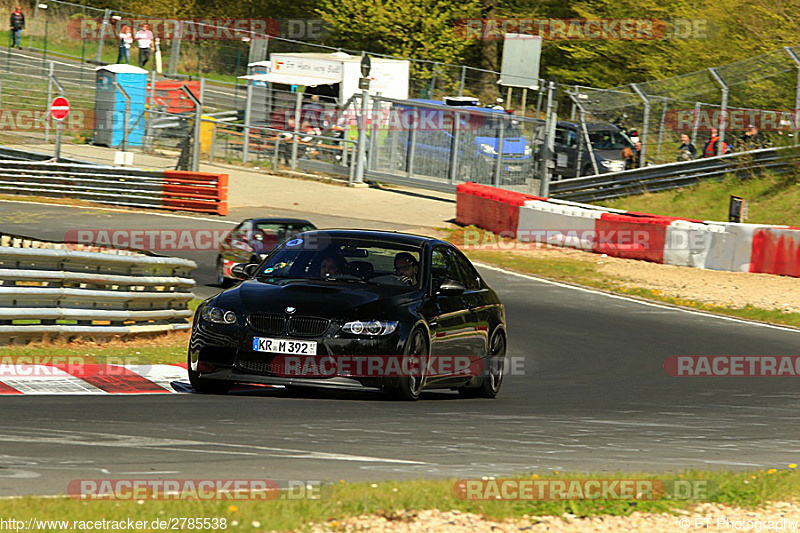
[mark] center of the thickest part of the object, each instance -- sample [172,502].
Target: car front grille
[268,324]
[272,365]
[255,364]
[308,326]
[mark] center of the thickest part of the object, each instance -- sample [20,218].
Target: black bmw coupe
[354,309]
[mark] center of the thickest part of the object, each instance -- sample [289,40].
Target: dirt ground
[775,516]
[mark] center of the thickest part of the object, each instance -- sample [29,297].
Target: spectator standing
[637,154]
[286,138]
[17,21]
[712,146]
[144,40]
[752,139]
[125,41]
[686,151]
[629,157]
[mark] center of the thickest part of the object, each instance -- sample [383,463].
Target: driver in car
[406,267]
[332,265]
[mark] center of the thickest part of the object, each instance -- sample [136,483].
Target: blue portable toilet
[109,105]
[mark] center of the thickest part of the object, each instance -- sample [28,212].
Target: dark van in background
[607,142]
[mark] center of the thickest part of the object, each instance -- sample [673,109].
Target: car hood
[511,145]
[611,155]
[322,299]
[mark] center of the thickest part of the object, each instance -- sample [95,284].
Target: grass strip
[340,500]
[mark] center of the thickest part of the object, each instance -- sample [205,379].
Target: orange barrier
[169,94]
[202,192]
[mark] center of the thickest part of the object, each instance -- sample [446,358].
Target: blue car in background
[477,143]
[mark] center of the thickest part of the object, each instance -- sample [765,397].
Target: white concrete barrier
[688,243]
[558,224]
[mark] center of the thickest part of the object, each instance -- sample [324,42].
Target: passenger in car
[406,266]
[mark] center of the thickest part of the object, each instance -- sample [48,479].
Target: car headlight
[528,149]
[614,165]
[371,328]
[218,316]
[488,149]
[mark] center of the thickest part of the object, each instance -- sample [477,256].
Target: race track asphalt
[589,395]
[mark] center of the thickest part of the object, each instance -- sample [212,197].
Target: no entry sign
[59,109]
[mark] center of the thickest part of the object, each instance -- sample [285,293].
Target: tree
[425,30]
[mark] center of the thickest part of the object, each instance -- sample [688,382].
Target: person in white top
[144,39]
[125,40]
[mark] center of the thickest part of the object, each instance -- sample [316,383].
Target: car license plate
[284,346]
[514,168]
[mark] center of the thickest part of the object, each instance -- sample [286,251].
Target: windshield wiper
[345,278]
[267,277]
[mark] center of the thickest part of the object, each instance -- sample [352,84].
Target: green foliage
[421,29]
[771,200]
[730,31]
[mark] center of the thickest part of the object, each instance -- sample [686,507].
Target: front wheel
[492,376]
[410,387]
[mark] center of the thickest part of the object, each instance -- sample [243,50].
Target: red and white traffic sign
[59,109]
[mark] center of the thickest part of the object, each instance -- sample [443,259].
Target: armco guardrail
[12,154]
[174,190]
[672,175]
[57,290]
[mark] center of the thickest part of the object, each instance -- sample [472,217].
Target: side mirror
[451,288]
[243,270]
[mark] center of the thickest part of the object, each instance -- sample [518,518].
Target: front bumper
[220,351]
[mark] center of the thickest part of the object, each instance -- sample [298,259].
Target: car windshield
[609,140]
[338,259]
[490,127]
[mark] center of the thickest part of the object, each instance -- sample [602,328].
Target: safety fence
[674,175]
[173,190]
[50,289]
[277,147]
[660,239]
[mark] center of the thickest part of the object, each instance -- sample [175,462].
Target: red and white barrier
[496,210]
[643,236]
[21,378]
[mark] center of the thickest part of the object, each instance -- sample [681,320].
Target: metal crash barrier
[673,175]
[185,191]
[50,289]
